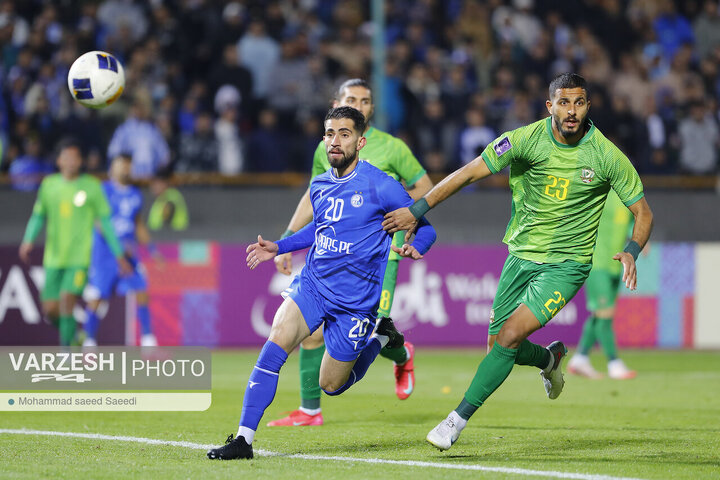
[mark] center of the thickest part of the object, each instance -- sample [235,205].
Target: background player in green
[601,291]
[71,202]
[393,157]
[561,170]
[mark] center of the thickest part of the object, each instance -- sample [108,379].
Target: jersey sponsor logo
[325,243]
[502,146]
[80,198]
[356,200]
[587,175]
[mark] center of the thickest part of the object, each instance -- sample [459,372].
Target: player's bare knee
[511,335]
[51,309]
[605,313]
[330,385]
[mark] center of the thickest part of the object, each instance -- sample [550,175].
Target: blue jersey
[125,203]
[348,257]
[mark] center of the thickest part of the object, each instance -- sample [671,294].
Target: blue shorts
[346,332]
[104,279]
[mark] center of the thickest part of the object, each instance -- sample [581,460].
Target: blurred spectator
[231,72]
[233,26]
[475,136]
[707,29]
[520,114]
[438,136]
[231,159]
[259,53]
[199,149]
[699,141]
[288,78]
[312,133]
[139,137]
[169,208]
[672,29]
[265,151]
[629,82]
[126,15]
[27,171]
[15,25]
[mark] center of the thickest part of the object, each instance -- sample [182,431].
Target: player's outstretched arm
[260,252]
[34,227]
[302,216]
[640,236]
[407,218]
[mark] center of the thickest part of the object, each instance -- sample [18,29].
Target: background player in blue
[103,277]
[341,282]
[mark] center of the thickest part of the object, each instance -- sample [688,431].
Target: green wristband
[419,208]
[286,234]
[633,249]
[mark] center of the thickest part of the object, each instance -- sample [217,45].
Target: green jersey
[70,208]
[382,150]
[615,224]
[558,191]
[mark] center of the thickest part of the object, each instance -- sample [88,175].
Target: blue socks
[143,315]
[91,323]
[361,365]
[261,387]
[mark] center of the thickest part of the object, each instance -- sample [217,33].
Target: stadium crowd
[230,87]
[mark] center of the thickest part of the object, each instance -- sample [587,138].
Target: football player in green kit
[71,202]
[601,291]
[393,157]
[561,170]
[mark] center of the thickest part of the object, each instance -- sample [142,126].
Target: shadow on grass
[586,451]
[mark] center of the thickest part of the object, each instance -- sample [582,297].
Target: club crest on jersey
[356,200]
[502,146]
[587,175]
[79,198]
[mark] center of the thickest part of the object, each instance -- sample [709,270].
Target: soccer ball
[96,79]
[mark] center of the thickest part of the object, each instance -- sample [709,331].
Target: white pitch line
[267,453]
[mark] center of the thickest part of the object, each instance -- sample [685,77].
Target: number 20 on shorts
[359,330]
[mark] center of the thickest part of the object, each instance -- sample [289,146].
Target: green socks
[600,330]
[67,329]
[491,373]
[606,337]
[529,353]
[397,355]
[310,361]
[588,338]
[466,409]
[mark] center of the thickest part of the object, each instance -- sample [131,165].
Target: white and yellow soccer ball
[96,79]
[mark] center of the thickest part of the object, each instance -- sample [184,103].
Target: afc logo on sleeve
[502,146]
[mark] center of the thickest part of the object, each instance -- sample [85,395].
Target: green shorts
[57,280]
[545,288]
[601,289]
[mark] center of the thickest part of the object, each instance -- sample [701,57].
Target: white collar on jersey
[346,178]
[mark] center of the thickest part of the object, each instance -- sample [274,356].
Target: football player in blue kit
[340,285]
[103,276]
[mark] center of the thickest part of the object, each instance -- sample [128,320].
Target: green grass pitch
[664,424]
